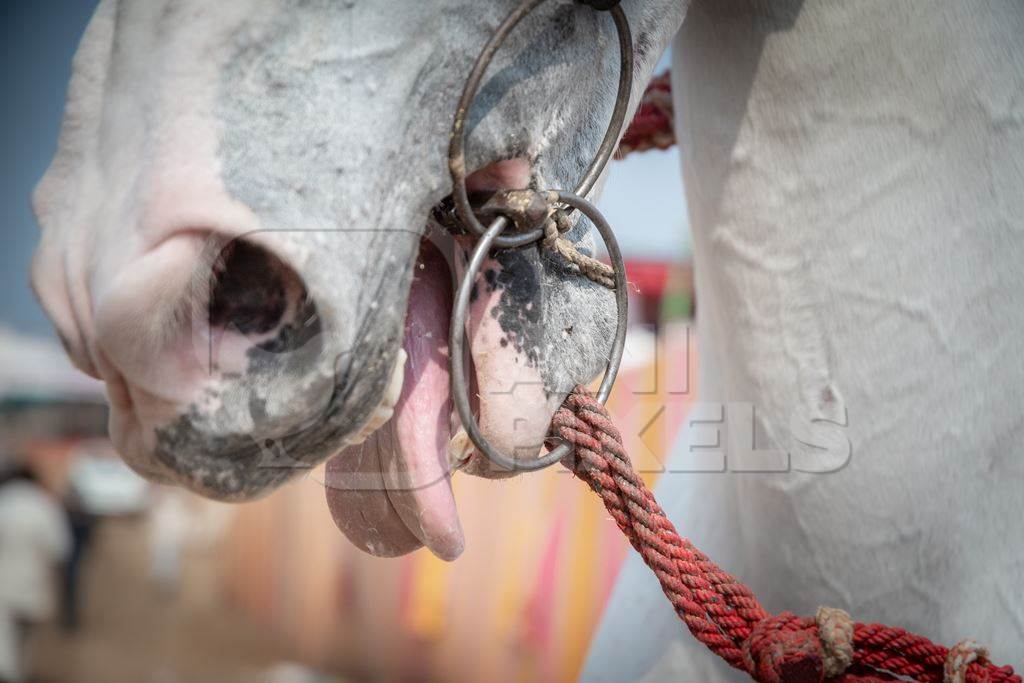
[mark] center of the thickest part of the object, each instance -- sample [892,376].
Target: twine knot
[959,658]
[557,224]
[835,630]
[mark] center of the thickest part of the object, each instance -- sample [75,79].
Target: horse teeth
[376,421]
[395,383]
[459,449]
[383,412]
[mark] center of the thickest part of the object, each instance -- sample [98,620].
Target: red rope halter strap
[723,614]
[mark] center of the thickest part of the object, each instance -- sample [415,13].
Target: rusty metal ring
[457,138]
[457,333]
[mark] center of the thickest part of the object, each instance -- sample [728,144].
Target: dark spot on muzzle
[520,310]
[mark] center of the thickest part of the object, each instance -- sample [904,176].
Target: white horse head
[235,218]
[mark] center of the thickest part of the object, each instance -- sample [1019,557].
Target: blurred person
[34,540]
[81,523]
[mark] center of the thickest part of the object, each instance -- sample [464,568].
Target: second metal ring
[457,333]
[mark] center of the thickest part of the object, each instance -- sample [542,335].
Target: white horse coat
[855,178]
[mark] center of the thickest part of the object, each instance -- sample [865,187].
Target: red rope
[651,127]
[721,612]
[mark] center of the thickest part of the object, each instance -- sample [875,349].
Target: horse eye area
[252,290]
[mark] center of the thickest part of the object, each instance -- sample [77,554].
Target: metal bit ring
[457,138]
[457,333]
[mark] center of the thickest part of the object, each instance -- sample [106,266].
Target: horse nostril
[250,289]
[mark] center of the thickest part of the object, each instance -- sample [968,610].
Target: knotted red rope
[724,614]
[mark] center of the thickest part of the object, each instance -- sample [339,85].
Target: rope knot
[784,648]
[835,630]
[551,233]
[557,224]
[959,658]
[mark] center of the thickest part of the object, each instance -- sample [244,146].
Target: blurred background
[104,577]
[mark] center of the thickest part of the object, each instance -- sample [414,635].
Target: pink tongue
[393,492]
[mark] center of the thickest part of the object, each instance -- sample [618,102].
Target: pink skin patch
[510,174]
[514,413]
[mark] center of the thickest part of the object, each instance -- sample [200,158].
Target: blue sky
[643,198]
[644,203]
[37,40]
